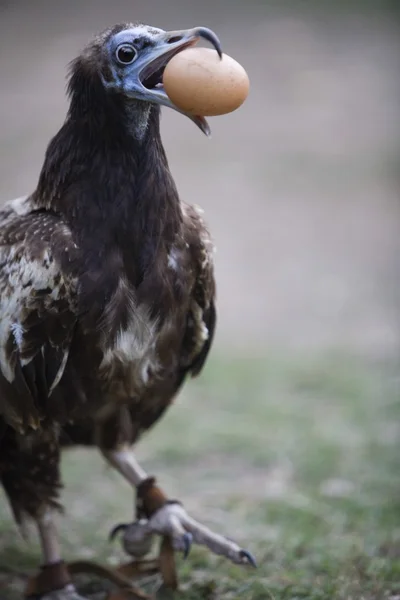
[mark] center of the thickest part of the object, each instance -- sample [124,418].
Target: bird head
[130,60]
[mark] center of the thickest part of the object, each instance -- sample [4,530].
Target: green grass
[298,459]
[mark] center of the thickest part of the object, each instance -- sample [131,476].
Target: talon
[187,544]
[248,557]
[136,540]
[117,529]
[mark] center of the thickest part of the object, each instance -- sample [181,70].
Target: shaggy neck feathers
[105,183]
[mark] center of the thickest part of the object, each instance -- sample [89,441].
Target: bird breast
[143,351]
[133,349]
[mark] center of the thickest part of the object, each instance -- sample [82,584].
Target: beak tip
[202,123]
[210,36]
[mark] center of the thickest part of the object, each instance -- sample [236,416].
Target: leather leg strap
[167,564]
[51,577]
[121,576]
[149,499]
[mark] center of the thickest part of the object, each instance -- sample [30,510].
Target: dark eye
[125,54]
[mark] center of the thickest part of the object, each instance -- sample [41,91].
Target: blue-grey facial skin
[145,41]
[153,48]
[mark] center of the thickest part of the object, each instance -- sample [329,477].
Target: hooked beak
[153,62]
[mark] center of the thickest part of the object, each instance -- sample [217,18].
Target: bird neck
[136,119]
[107,184]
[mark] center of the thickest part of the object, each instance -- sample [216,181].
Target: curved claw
[187,544]
[117,529]
[248,557]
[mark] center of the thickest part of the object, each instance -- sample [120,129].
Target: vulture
[107,295]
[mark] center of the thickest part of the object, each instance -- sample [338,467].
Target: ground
[289,441]
[297,460]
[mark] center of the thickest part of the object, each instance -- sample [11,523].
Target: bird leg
[48,538]
[124,461]
[54,581]
[157,514]
[30,475]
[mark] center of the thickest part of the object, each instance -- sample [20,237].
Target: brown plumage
[107,292]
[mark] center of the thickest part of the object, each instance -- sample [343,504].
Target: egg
[201,83]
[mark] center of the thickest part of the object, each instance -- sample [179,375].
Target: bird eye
[125,54]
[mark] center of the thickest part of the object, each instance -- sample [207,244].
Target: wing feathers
[37,311]
[201,320]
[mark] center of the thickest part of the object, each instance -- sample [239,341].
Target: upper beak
[153,62]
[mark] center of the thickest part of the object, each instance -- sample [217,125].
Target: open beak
[154,61]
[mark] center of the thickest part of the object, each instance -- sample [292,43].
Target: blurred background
[300,187]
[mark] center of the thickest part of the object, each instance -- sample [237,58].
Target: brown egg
[199,82]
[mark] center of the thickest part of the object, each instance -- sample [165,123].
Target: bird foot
[173,521]
[67,593]
[70,593]
[54,581]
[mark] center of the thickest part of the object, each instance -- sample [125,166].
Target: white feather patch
[173,259]
[20,277]
[21,205]
[18,333]
[134,347]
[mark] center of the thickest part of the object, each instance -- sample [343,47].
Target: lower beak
[151,71]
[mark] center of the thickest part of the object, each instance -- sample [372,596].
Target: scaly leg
[30,476]
[166,517]
[54,572]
